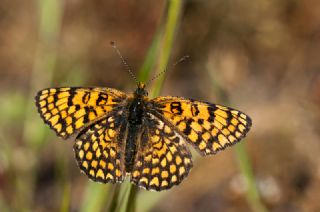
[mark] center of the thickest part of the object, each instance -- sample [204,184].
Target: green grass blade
[114,200]
[174,11]
[131,205]
[145,201]
[124,194]
[150,59]
[167,37]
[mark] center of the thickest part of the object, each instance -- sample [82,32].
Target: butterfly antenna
[166,69]
[113,44]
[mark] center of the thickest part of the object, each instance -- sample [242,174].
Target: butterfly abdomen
[134,122]
[131,147]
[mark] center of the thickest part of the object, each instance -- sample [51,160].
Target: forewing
[68,110]
[209,127]
[162,159]
[99,150]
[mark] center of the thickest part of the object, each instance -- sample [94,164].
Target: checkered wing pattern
[162,159]
[68,110]
[99,150]
[208,127]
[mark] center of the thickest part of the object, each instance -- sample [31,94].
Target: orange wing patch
[162,159]
[208,127]
[68,110]
[99,150]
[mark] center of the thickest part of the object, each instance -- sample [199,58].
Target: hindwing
[99,150]
[162,159]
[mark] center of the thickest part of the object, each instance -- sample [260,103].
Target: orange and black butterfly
[119,134]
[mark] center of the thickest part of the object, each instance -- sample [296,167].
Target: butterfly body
[136,109]
[121,134]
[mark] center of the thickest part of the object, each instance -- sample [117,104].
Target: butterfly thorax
[136,105]
[135,120]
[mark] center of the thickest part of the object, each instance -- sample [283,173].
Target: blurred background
[261,57]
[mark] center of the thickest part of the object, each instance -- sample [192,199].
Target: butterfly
[119,134]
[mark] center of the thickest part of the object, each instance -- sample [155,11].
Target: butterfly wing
[162,159]
[99,150]
[68,110]
[208,127]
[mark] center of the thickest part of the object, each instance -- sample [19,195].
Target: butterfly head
[141,91]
